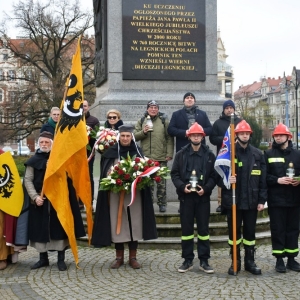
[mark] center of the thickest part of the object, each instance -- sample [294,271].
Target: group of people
[259,178]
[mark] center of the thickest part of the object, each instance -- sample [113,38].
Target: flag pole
[232,151]
[61,106]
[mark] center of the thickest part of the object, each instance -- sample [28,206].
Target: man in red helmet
[283,199]
[218,131]
[251,195]
[193,169]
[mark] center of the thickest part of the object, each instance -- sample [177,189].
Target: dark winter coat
[101,235]
[47,127]
[92,122]
[117,125]
[255,188]
[179,125]
[219,128]
[277,159]
[179,172]
[44,224]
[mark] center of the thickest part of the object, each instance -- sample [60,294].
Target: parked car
[8,149]
[295,145]
[23,150]
[264,144]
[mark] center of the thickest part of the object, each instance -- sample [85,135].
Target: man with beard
[44,229]
[198,161]
[283,198]
[182,120]
[138,220]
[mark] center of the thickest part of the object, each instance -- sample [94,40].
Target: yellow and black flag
[68,157]
[11,191]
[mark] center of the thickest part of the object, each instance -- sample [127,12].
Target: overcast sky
[261,37]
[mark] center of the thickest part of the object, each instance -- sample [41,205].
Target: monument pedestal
[156,40]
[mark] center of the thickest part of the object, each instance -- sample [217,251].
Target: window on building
[220,86]
[11,75]
[5,56]
[29,75]
[1,75]
[12,97]
[1,95]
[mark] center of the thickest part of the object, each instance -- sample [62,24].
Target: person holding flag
[11,203]
[137,220]
[68,156]
[251,192]
[44,229]
[194,177]
[218,131]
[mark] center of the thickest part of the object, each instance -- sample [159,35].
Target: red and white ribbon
[148,172]
[103,134]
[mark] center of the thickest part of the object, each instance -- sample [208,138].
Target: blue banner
[223,162]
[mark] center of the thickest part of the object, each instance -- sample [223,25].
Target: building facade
[271,101]
[225,73]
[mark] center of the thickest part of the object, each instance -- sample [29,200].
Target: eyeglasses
[112,117]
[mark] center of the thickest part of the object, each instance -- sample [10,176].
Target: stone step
[169,229]
[175,242]
[215,229]
[172,217]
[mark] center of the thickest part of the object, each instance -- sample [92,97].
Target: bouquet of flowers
[135,171]
[91,133]
[106,137]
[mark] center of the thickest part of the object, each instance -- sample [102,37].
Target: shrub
[20,160]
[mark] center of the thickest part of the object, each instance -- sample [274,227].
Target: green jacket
[157,144]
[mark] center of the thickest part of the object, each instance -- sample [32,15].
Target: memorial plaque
[164,40]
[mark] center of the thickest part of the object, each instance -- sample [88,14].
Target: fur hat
[189,94]
[46,134]
[228,103]
[126,128]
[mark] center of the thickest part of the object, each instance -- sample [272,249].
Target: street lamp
[296,85]
[286,101]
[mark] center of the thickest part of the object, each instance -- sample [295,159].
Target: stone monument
[155,50]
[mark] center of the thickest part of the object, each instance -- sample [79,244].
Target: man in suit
[182,120]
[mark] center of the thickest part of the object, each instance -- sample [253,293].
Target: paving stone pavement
[157,279]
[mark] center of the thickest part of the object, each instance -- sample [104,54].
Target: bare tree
[49,31]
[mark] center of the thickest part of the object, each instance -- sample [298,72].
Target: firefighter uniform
[192,205]
[251,190]
[283,201]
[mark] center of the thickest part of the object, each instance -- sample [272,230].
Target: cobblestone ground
[157,279]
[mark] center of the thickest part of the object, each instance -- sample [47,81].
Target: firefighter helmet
[282,129]
[196,128]
[243,126]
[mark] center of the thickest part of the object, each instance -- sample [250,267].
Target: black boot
[250,265]
[292,264]
[61,261]
[280,266]
[238,252]
[43,262]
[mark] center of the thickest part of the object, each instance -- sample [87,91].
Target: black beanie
[228,103]
[152,103]
[189,94]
